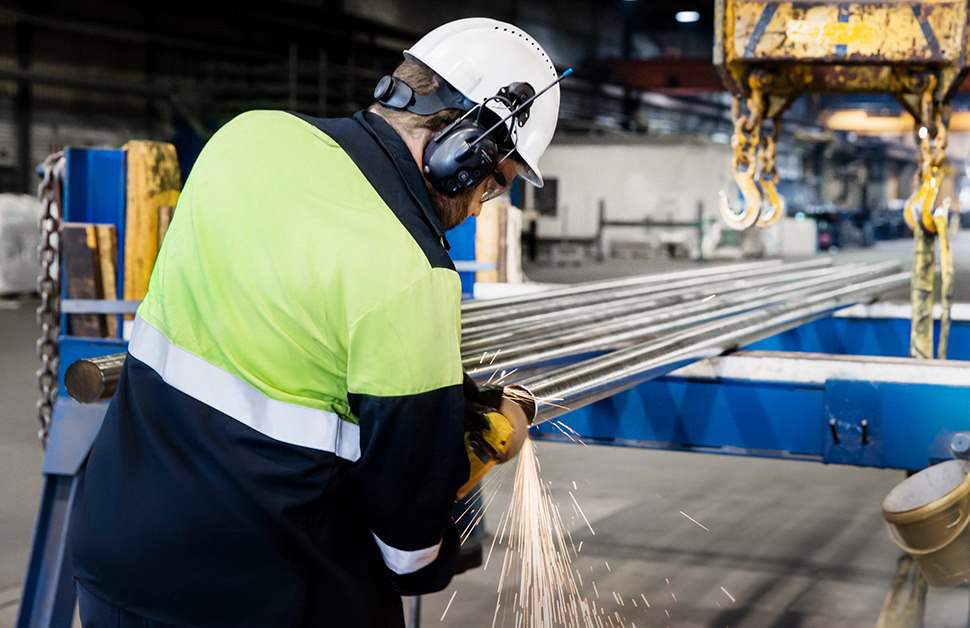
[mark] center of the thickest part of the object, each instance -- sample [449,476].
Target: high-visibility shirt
[286,442]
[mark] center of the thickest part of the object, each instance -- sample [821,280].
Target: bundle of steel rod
[581,343]
[514,323]
[607,340]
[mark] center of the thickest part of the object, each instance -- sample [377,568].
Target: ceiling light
[686,17]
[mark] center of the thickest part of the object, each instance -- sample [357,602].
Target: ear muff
[394,93]
[454,163]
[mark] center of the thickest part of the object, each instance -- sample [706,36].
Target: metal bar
[94,378]
[503,326]
[595,316]
[648,223]
[48,595]
[98,306]
[597,286]
[801,368]
[641,327]
[477,322]
[601,377]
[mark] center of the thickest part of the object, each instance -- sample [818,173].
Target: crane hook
[748,214]
[773,206]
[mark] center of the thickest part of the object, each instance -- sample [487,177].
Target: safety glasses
[500,180]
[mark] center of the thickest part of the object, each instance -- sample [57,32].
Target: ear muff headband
[394,93]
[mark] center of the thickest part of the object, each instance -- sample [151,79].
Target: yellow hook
[919,206]
[932,183]
[773,205]
[748,215]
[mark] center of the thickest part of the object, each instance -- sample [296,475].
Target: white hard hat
[478,56]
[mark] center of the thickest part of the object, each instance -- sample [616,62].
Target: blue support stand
[48,596]
[94,192]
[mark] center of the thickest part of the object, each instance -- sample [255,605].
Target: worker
[287,439]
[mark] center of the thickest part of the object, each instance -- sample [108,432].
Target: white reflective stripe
[404,562]
[223,391]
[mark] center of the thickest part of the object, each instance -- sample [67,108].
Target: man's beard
[453,208]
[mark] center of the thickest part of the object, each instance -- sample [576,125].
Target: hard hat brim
[530,173]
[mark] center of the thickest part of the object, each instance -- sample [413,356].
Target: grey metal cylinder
[93,379]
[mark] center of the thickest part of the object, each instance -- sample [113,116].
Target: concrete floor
[795,544]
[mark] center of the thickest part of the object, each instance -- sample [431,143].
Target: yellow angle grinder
[496,426]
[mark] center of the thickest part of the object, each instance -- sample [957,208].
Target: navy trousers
[97,613]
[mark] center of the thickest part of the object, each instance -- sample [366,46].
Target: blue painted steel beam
[887,337]
[48,596]
[869,424]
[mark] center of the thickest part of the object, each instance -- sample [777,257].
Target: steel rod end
[524,399]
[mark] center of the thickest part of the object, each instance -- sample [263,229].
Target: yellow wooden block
[165,214]
[107,244]
[153,181]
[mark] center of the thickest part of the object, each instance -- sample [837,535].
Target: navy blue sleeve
[413,461]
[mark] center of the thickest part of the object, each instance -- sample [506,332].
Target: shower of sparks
[695,521]
[559,426]
[449,605]
[608,566]
[706,299]
[645,600]
[536,571]
[730,597]
[576,503]
[537,585]
[501,378]
[487,493]
[515,395]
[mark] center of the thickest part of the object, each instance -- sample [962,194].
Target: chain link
[768,151]
[932,143]
[48,286]
[747,127]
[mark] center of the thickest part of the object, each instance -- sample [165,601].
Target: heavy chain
[747,127]
[48,286]
[932,144]
[768,151]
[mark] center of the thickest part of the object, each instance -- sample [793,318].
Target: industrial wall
[662,178]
